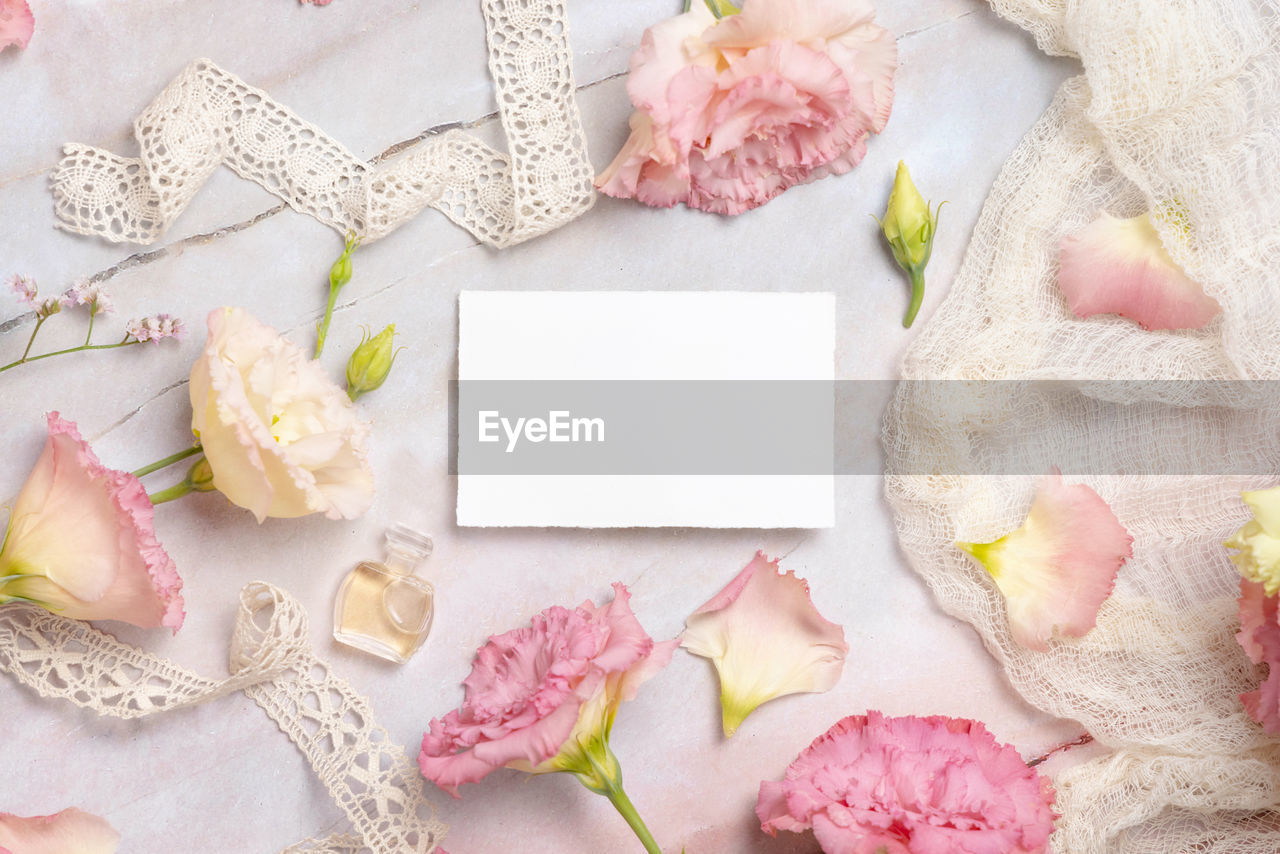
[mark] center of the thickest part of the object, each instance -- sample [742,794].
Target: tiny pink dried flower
[85,292]
[49,307]
[24,287]
[156,328]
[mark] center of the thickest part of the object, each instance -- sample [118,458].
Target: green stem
[610,785]
[168,461]
[39,322]
[92,316]
[627,810]
[82,347]
[172,493]
[917,296]
[328,317]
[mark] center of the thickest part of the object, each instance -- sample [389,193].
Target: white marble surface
[372,73]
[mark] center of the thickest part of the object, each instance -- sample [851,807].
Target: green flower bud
[340,272]
[909,225]
[200,476]
[371,362]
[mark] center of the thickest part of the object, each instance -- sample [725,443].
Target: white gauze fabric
[368,775]
[207,117]
[1178,110]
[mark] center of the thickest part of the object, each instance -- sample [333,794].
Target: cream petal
[1059,567]
[766,640]
[1119,266]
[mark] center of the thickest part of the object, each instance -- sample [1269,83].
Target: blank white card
[617,336]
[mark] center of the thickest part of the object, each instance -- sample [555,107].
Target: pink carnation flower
[1260,637]
[16,23]
[80,541]
[68,832]
[541,688]
[730,113]
[911,786]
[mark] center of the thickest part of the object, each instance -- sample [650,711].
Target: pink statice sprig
[93,297]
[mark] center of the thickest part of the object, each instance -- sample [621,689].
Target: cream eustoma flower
[1059,567]
[766,640]
[1258,541]
[281,438]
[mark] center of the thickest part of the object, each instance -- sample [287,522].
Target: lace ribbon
[207,117]
[368,775]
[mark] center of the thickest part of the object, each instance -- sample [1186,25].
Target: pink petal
[68,832]
[1060,566]
[16,23]
[766,640]
[88,532]
[1260,637]
[1257,613]
[1119,266]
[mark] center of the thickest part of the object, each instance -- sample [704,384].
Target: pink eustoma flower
[16,23]
[1260,637]
[911,785]
[766,639]
[1119,266]
[68,832]
[81,542]
[538,695]
[731,112]
[1059,567]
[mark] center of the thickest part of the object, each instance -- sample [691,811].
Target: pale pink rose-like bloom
[1260,637]
[766,639]
[1059,567]
[535,690]
[71,831]
[1119,266]
[81,541]
[16,23]
[281,438]
[909,785]
[730,113]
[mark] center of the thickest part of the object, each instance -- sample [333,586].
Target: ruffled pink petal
[88,532]
[911,786]
[1060,566]
[1119,266]
[68,832]
[766,639]
[16,24]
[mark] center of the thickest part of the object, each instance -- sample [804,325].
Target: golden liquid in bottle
[384,613]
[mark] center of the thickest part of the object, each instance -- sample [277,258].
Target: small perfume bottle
[383,608]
